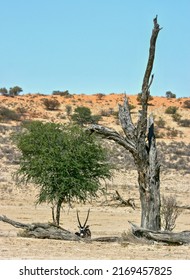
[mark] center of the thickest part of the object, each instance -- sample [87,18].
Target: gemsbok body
[84,231]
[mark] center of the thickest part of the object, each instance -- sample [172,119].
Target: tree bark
[58,211]
[140,141]
[174,238]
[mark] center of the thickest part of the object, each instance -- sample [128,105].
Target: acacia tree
[65,163]
[140,141]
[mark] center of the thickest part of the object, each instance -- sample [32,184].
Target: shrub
[51,104]
[100,96]
[158,133]
[7,114]
[171,110]
[83,115]
[176,117]
[107,113]
[185,123]
[161,123]
[68,110]
[172,132]
[169,212]
[186,104]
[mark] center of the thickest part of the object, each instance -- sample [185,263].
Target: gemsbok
[84,231]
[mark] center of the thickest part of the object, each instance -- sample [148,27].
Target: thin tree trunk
[58,211]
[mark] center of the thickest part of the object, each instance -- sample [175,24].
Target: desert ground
[107,217]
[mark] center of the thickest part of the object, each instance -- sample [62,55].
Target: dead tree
[140,141]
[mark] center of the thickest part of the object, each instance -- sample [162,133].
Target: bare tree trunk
[140,141]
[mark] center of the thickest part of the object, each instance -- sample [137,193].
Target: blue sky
[91,46]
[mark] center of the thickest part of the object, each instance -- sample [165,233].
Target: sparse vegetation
[61,93]
[68,110]
[169,212]
[7,114]
[186,104]
[172,132]
[160,123]
[14,91]
[171,110]
[51,104]
[185,123]
[176,117]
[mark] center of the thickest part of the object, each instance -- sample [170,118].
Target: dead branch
[120,201]
[129,202]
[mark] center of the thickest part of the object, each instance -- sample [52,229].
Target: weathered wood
[42,230]
[129,202]
[140,141]
[175,238]
[52,231]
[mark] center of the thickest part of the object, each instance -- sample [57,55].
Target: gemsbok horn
[84,231]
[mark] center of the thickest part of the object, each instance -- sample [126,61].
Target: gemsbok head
[84,231]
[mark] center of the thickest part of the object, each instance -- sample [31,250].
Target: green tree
[3,91]
[65,162]
[61,93]
[169,94]
[83,115]
[15,91]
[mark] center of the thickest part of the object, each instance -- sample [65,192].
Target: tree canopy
[65,162]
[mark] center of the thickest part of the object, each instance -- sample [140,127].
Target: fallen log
[174,238]
[52,231]
[42,230]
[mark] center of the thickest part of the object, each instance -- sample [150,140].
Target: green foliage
[66,162]
[15,91]
[11,92]
[3,91]
[171,110]
[83,115]
[7,114]
[51,104]
[169,94]
[61,93]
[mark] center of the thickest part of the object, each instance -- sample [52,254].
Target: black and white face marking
[84,230]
